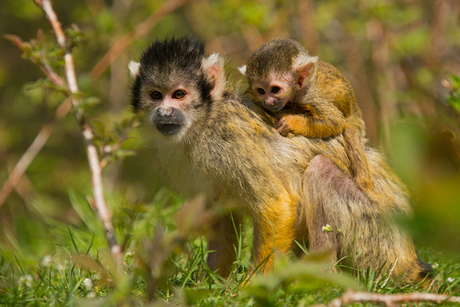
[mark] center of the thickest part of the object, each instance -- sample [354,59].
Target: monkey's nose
[165,111]
[269,102]
[168,121]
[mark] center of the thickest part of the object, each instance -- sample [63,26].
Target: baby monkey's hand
[282,125]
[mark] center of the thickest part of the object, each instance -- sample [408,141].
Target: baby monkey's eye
[156,95]
[260,91]
[275,89]
[178,94]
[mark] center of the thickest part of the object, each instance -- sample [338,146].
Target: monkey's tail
[355,147]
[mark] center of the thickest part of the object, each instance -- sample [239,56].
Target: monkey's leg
[223,242]
[330,196]
[369,234]
[274,230]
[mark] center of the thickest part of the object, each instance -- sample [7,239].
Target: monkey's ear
[213,66]
[242,70]
[305,68]
[133,68]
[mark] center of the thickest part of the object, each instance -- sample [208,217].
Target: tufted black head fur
[172,58]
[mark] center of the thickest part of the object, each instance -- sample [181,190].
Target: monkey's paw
[282,126]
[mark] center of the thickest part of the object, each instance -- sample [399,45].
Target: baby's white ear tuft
[133,68]
[303,60]
[242,70]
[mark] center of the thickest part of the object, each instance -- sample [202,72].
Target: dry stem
[31,152]
[25,161]
[390,300]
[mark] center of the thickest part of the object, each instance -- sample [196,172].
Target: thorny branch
[141,30]
[91,151]
[390,300]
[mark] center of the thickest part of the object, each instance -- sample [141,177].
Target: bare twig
[31,153]
[91,151]
[141,30]
[390,300]
[25,161]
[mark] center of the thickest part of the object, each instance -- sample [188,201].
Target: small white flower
[435,265]
[327,228]
[88,283]
[450,279]
[92,294]
[26,280]
[47,260]
[97,276]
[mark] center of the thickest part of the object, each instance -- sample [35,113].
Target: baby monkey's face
[274,92]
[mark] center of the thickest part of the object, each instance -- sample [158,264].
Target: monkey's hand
[282,125]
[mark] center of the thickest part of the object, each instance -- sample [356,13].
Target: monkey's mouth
[168,121]
[168,128]
[273,108]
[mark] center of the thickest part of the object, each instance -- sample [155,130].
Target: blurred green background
[399,56]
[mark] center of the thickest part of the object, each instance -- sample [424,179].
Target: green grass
[69,264]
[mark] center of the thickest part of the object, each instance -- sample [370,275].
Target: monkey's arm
[319,120]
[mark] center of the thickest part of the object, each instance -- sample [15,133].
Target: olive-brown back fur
[332,85]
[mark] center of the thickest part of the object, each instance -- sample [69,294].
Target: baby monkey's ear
[133,68]
[304,68]
[242,70]
[213,67]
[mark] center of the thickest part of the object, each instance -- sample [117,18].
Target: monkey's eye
[260,91]
[178,94]
[156,95]
[275,89]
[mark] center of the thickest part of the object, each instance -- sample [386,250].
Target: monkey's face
[170,109]
[272,93]
[175,85]
[167,105]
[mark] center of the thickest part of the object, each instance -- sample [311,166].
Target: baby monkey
[310,98]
